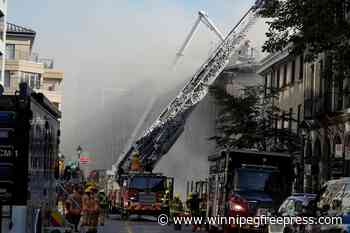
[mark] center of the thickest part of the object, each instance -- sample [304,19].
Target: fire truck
[158,139]
[247,183]
[144,193]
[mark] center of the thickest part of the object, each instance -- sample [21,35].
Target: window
[283,119]
[10,51]
[290,120]
[312,81]
[321,91]
[278,80]
[38,81]
[272,82]
[265,85]
[7,80]
[299,116]
[301,68]
[293,72]
[32,79]
[285,75]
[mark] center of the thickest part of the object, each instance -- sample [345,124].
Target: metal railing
[28,56]
[330,102]
[21,55]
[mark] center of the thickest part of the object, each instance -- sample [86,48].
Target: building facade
[320,110]
[22,65]
[3,24]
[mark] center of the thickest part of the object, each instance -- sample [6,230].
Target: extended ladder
[163,133]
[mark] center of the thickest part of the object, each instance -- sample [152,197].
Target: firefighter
[103,206]
[176,209]
[193,203]
[75,204]
[176,205]
[166,202]
[91,210]
[135,162]
[189,198]
[203,205]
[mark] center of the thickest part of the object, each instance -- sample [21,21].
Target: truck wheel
[177,227]
[212,229]
[125,215]
[287,230]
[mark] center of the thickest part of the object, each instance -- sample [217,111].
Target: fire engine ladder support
[163,133]
[202,17]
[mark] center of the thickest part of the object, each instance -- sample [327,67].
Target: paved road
[115,225]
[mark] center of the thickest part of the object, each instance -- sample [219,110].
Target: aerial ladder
[202,17]
[165,130]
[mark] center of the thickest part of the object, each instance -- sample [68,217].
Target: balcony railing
[314,107]
[330,103]
[48,63]
[28,56]
[22,55]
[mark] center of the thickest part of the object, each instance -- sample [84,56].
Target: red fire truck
[144,193]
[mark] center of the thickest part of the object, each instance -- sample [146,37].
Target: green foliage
[248,122]
[312,26]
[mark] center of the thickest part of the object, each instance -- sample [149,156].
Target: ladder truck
[166,129]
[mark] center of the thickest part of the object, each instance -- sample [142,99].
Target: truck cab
[247,183]
[145,193]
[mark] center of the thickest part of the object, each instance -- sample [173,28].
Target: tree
[312,27]
[249,121]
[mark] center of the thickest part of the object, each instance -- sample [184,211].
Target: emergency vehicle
[247,183]
[144,193]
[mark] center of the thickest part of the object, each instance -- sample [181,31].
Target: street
[130,108]
[115,225]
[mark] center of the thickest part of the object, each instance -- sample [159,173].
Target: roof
[249,152]
[343,180]
[303,197]
[16,29]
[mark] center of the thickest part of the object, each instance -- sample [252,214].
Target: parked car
[334,201]
[298,204]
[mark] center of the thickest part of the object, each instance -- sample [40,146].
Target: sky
[117,56]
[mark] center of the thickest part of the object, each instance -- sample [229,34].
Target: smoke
[117,56]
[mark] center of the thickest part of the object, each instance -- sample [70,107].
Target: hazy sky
[111,46]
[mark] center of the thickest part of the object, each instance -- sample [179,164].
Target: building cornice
[272,59]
